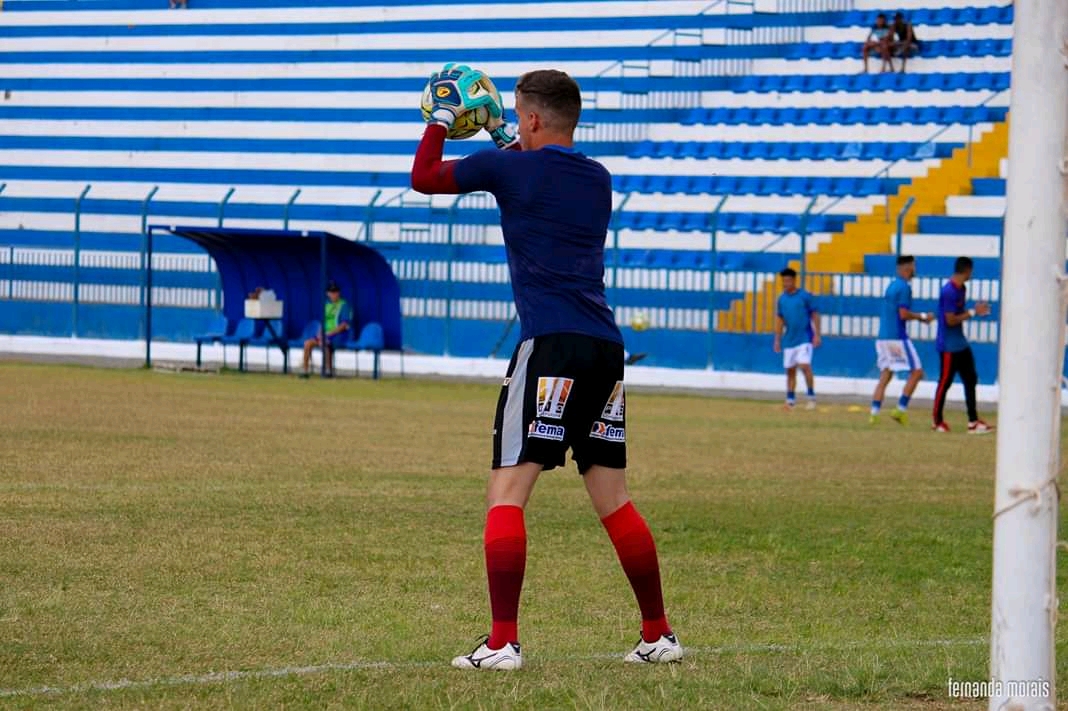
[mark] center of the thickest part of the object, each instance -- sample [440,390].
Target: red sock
[637,553]
[506,561]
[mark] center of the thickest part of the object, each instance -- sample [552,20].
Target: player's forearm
[430,174]
[815,324]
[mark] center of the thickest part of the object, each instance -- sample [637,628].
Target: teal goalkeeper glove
[502,133]
[457,89]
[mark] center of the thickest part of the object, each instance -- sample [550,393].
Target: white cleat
[666,649]
[979,428]
[507,658]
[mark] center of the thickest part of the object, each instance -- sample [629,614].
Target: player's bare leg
[637,554]
[810,385]
[791,387]
[880,392]
[505,544]
[309,346]
[901,412]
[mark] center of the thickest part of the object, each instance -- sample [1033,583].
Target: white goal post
[1031,358]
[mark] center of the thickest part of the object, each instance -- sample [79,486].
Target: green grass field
[158,528]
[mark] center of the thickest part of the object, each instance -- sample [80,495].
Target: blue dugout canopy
[297,265]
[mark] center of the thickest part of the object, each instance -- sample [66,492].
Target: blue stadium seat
[852,18]
[928,114]
[911,82]
[869,186]
[245,331]
[953,114]
[966,16]
[217,330]
[819,186]
[879,115]
[643,149]
[689,149]
[671,221]
[665,149]
[714,149]
[779,151]
[701,185]
[647,220]
[838,82]
[656,184]
[717,116]
[765,222]
[693,117]
[810,116]
[834,115]
[851,151]
[749,83]
[763,117]
[920,16]
[747,185]
[311,330]
[372,339]
[678,184]
[694,222]
[733,150]
[726,185]
[988,15]
[857,115]
[942,16]
[828,151]
[803,151]
[842,187]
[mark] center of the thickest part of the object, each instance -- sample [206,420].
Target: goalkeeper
[564,388]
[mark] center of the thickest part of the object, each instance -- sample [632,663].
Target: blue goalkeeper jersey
[555,206]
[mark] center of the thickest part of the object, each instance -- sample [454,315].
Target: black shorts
[562,391]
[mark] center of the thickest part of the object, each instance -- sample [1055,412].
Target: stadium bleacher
[738,134]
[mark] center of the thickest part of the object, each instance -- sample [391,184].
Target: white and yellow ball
[469,123]
[639,321]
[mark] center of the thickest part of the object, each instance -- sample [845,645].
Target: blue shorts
[338,339]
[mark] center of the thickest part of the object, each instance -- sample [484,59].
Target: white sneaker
[507,658]
[979,428]
[665,649]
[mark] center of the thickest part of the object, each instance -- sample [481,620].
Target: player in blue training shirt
[894,350]
[953,349]
[797,332]
[564,388]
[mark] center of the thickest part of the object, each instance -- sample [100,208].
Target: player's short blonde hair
[555,94]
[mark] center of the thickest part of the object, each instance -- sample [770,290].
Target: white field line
[224,677]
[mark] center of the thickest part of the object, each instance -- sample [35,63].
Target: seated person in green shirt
[337,317]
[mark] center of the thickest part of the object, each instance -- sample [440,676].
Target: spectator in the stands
[904,37]
[175,4]
[880,42]
[337,318]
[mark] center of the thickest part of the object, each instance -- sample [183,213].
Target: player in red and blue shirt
[955,355]
[564,387]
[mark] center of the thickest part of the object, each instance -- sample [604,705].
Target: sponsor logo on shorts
[607,432]
[544,430]
[506,381]
[616,405]
[552,396]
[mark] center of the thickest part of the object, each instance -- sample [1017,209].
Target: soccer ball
[639,321]
[470,123]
